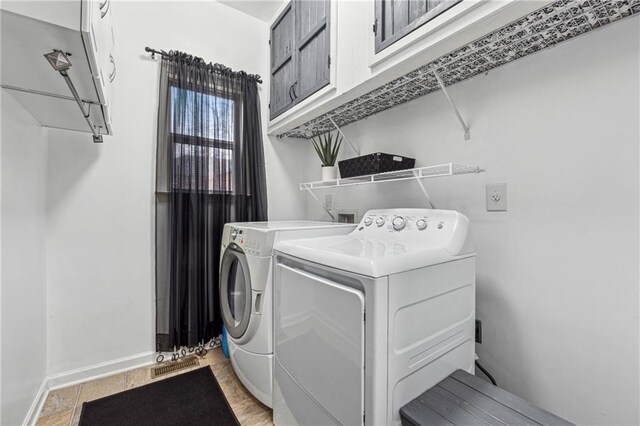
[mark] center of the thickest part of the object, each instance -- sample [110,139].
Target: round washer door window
[235,292]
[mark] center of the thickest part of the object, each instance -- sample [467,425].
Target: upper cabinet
[331,58]
[97,36]
[283,64]
[312,46]
[80,28]
[300,53]
[397,18]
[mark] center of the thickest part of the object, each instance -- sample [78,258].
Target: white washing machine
[245,293]
[365,322]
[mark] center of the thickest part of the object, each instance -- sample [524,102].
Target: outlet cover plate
[496,197]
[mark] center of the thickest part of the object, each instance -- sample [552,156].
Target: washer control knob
[234,233]
[380,221]
[421,224]
[368,221]
[399,223]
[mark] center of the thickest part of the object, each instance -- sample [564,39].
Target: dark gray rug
[192,398]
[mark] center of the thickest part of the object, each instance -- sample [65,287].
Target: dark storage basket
[374,163]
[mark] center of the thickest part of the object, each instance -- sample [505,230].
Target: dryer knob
[399,223]
[234,233]
[368,221]
[421,224]
[380,221]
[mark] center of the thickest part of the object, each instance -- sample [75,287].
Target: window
[204,132]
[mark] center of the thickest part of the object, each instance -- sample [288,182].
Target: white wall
[101,197]
[557,280]
[1,93]
[23,275]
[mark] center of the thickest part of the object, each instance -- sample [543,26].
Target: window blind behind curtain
[210,171]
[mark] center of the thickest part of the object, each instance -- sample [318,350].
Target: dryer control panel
[408,220]
[444,228]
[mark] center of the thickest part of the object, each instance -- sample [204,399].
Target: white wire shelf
[409,174]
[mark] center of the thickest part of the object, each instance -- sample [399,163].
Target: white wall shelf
[448,169]
[416,174]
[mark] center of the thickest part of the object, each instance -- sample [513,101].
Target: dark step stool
[464,399]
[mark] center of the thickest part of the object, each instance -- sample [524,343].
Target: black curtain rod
[154,51]
[219,68]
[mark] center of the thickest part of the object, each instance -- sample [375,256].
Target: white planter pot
[329,173]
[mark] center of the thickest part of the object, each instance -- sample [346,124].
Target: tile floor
[63,406]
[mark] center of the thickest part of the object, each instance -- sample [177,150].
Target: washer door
[235,291]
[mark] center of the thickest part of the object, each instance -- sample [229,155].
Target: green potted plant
[327,147]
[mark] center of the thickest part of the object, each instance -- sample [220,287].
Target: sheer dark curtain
[210,171]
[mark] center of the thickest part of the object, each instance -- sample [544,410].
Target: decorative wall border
[552,24]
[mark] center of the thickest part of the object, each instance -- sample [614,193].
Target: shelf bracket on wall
[60,62]
[333,218]
[467,132]
[357,151]
[424,191]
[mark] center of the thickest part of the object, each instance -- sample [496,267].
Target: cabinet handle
[112,76]
[294,90]
[290,89]
[103,4]
[106,9]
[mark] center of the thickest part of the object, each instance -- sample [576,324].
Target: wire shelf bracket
[426,194]
[418,174]
[59,61]
[356,150]
[333,218]
[467,132]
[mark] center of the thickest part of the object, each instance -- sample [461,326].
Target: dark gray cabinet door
[397,18]
[283,63]
[312,45]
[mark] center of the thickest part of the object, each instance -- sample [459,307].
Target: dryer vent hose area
[486,373]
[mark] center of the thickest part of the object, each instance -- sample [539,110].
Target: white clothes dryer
[365,322]
[245,293]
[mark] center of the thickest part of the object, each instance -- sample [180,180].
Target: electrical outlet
[478,331]
[496,197]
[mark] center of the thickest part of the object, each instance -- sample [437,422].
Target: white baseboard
[84,374]
[103,369]
[37,404]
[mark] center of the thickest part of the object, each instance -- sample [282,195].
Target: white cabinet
[82,29]
[97,35]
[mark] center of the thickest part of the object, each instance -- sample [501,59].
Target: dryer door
[235,291]
[319,349]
